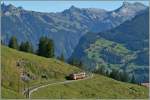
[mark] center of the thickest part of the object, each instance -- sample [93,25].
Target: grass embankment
[98,87]
[9,94]
[35,65]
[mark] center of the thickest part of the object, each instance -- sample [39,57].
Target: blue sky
[57,6]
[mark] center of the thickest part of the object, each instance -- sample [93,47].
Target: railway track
[33,89]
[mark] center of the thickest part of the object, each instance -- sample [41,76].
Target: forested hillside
[124,47]
[66,27]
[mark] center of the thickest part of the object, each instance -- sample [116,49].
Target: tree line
[116,74]
[76,62]
[46,49]
[45,46]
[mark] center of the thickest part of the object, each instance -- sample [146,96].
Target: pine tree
[26,47]
[113,73]
[52,48]
[76,62]
[124,76]
[70,61]
[42,46]
[2,42]
[48,50]
[102,70]
[133,80]
[22,46]
[13,43]
[118,75]
[107,73]
[46,47]
[62,57]
[80,63]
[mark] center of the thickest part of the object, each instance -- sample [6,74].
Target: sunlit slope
[34,65]
[97,87]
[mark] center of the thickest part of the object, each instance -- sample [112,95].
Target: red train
[76,76]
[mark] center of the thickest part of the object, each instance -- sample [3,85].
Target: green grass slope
[34,65]
[111,55]
[9,94]
[97,87]
[107,52]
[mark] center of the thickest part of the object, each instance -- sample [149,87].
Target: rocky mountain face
[125,47]
[66,27]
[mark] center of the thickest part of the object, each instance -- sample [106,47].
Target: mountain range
[125,47]
[66,27]
[111,47]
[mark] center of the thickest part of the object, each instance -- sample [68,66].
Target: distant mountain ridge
[125,47]
[65,28]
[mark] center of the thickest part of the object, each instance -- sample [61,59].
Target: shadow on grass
[68,78]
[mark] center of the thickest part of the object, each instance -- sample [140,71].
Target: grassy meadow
[96,87]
